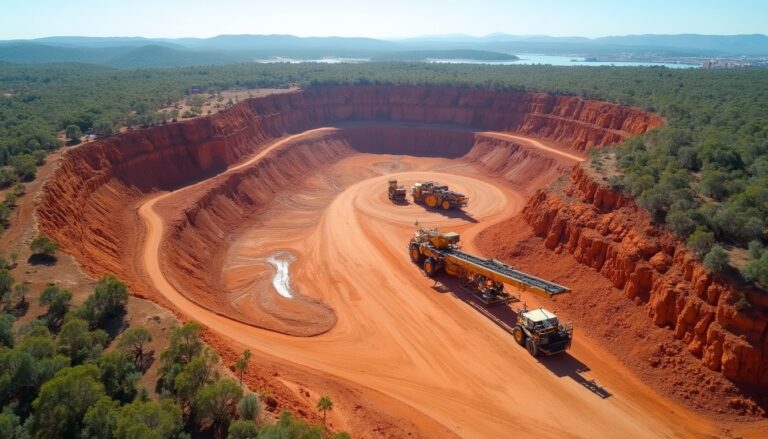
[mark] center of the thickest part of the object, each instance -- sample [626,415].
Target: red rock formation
[608,232]
[85,206]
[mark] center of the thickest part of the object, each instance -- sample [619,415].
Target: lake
[560,60]
[525,59]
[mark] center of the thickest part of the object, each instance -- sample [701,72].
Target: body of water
[525,59]
[561,60]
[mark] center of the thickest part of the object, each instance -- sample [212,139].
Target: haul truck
[396,192]
[538,330]
[436,195]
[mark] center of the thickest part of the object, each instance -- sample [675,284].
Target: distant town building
[195,89]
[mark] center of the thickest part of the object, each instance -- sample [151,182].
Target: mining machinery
[396,192]
[538,330]
[436,195]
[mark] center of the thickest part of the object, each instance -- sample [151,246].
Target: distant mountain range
[132,52]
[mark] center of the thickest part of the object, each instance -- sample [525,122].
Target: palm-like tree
[324,404]
[241,365]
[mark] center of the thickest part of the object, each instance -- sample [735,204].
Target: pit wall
[86,205]
[608,232]
[222,205]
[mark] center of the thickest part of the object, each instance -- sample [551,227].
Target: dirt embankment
[608,232]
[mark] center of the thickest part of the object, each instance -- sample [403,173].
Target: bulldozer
[539,331]
[436,195]
[396,192]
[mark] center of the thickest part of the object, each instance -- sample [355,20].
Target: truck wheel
[531,347]
[430,267]
[519,335]
[431,201]
[415,253]
[446,205]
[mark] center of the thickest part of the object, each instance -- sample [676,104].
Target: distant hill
[132,52]
[160,56]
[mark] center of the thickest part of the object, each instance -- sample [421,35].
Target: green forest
[69,374]
[705,174]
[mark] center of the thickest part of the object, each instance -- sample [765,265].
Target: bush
[119,375]
[64,400]
[756,249]
[716,260]
[24,165]
[249,406]
[42,245]
[107,300]
[141,419]
[57,300]
[6,330]
[242,429]
[73,133]
[80,344]
[757,270]
[701,241]
[681,222]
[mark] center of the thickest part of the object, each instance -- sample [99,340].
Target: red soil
[89,207]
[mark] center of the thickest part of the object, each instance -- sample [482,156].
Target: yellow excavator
[539,330]
[436,195]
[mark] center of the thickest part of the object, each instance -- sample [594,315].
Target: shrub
[701,241]
[243,429]
[716,260]
[757,270]
[107,300]
[42,245]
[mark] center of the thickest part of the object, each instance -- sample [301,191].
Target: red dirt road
[412,339]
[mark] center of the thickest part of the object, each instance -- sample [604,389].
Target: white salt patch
[282,279]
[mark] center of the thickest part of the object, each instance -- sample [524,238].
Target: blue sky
[379,19]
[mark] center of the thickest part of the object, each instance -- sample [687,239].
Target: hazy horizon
[397,19]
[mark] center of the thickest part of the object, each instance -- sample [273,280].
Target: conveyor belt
[512,276]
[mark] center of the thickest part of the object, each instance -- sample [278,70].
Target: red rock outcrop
[608,232]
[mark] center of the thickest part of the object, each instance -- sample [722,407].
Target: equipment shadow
[562,365]
[566,365]
[453,213]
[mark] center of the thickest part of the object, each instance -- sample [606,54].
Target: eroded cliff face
[608,232]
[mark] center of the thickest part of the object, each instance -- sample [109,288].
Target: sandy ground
[407,336]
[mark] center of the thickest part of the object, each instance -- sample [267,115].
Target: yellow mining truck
[396,192]
[436,195]
[539,330]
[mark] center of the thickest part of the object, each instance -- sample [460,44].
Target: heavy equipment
[396,192]
[436,195]
[538,330]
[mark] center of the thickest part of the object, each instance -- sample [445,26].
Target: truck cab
[540,332]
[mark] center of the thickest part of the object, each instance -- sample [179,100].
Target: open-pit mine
[269,223]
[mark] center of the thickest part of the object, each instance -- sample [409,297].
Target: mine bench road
[428,350]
